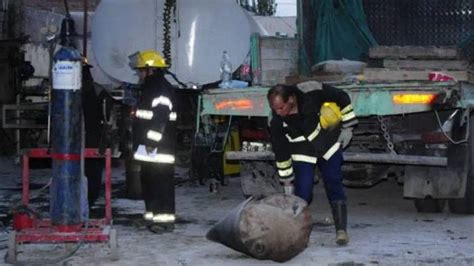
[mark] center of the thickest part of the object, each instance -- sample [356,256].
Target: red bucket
[22,221]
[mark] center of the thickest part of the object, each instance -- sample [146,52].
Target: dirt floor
[384,229]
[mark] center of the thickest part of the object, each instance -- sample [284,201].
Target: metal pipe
[26,179]
[300,32]
[352,157]
[395,159]
[84,30]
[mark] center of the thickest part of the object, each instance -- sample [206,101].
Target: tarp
[341,31]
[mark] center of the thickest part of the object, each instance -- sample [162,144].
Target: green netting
[341,31]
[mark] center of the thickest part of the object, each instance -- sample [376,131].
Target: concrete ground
[384,229]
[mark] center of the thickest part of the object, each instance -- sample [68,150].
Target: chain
[170,5]
[386,134]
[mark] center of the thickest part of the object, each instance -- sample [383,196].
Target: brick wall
[278,57]
[74,5]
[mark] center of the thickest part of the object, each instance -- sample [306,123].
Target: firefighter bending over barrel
[155,139]
[309,129]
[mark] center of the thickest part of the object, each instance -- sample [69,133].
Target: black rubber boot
[339,213]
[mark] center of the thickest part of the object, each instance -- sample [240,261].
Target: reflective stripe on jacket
[155,123]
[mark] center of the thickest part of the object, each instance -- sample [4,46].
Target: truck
[417,132]
[414,126]
[412,129]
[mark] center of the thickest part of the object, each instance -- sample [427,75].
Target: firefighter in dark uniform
[307,129]
[155,139]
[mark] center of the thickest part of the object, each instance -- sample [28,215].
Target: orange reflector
[413,98]
[234,104]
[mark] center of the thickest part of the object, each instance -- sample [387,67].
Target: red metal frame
[96,230]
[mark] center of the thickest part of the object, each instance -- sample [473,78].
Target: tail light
[414,98]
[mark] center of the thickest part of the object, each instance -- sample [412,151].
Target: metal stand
[19,117]
[43,231]
[209,142]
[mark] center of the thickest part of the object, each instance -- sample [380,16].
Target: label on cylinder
[67,75]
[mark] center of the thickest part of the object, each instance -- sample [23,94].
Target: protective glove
[289,190]
[287,184]
[345,137]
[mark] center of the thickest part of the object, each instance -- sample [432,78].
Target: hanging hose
[5,231]
[175,78]
[61,259]
[170,6]
[466,136]
[20,207]
[66,6]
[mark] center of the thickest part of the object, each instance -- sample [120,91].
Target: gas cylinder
[67,187]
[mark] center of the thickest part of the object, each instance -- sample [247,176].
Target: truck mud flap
[438,182]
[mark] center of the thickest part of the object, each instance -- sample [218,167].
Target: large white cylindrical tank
[200,31]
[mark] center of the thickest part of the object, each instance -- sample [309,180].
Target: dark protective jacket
[300,137]
[155,124]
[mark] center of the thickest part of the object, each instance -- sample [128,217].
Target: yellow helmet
[148,58]
[330,115]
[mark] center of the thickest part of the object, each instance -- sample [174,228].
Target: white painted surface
[277,26]
[203,29]
[38,24]
[286,8]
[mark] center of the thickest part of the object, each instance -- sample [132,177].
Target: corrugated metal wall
[420,22]
[57,5]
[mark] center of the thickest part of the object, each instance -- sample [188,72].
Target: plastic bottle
[226,71]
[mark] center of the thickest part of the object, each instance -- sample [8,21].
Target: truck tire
[132,180]
[93,170]
[429,205]
[199,163]
[466,205]
[258,178]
